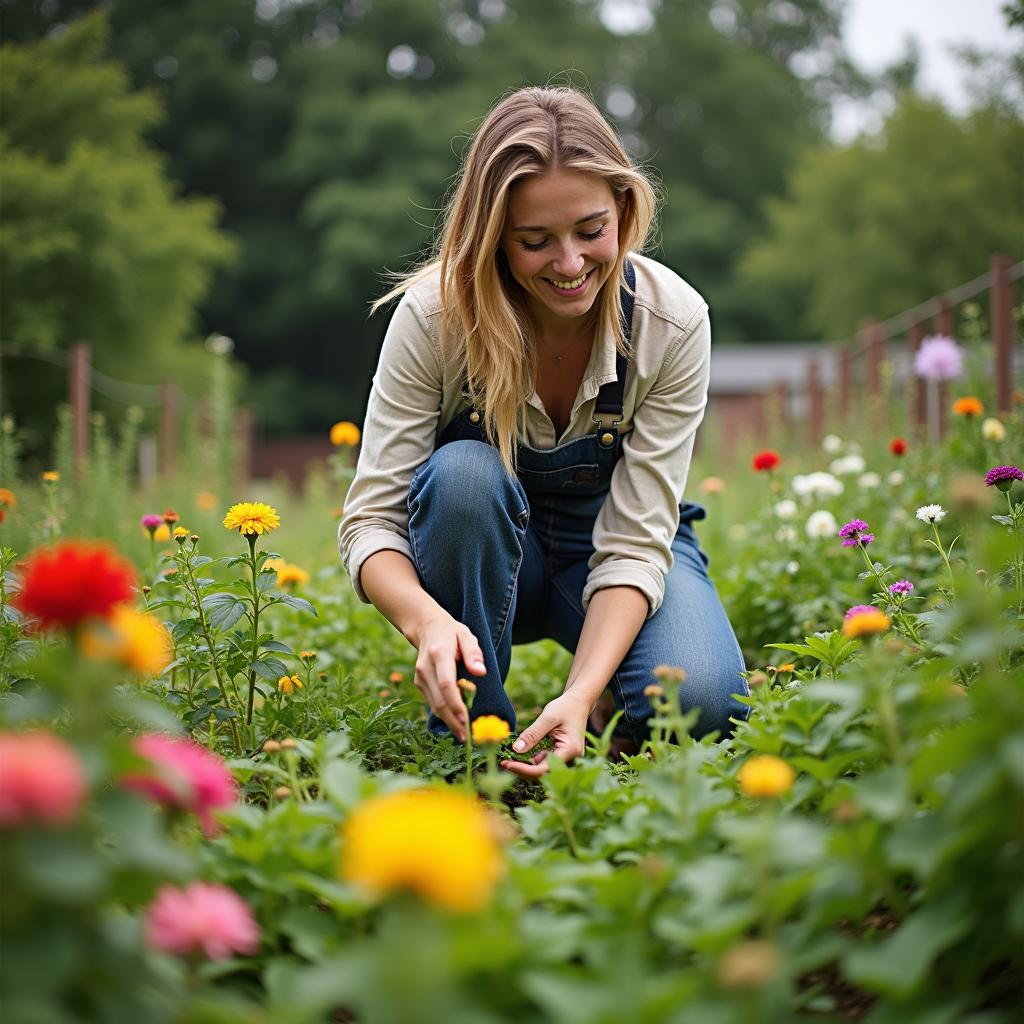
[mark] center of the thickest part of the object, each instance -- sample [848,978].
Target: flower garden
[219,802]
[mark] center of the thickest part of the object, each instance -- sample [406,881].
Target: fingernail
[519,745]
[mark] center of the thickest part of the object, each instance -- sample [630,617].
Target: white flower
[786,509]
[792,568]
[786,534]
[993,429]
[821,524]
[868,480]
[832,443]
[848,465]
[895,478]
[931,513]
[818,485]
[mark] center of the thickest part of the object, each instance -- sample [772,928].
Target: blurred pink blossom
[201,917]
[185,775]
[41,780]
[939,358]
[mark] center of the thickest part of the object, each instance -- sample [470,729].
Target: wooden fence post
[168,427]
[874,357]
[845,382]
[815,404]
[917,386]
[780,405]
[78,399]
[1002,331]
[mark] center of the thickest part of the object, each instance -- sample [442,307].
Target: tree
[96,242]
[875,227]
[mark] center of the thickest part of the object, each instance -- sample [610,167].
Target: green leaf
[268,668]
[223,610]
[299,603]
[897,966]
[276,645]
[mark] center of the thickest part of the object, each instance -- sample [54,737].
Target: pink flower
[201,917]
[939,358]
[152,522]
[41,780]
[183,774]
[859,609]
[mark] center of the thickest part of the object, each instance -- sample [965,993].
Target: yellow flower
[490,729]
[438,843]
[206,501]
[135,639]
[251,518]
[968,406]
[180,531]
[307,655]
[289,684]
[866,623]
[162,534]
[291,576]
[765,775]
[785,668]
[345,434]
[993,430]
[51,476]
[711,485]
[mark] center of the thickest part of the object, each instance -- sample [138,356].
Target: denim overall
[509,558]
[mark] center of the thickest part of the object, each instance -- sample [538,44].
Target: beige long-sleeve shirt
[416,394]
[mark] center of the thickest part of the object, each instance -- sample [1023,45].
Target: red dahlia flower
[766,460]
[74,581]
[898,446]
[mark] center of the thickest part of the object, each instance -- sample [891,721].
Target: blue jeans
[512,567]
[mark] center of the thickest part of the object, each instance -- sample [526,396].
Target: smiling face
[561,239]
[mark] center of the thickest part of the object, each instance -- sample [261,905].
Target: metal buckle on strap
[606,435]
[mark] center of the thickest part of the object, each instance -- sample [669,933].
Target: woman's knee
[463,481]
[712,686]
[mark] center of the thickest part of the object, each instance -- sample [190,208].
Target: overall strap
[609,398]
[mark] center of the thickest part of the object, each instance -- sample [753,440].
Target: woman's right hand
[442,642]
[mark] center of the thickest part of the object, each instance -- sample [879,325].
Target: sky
[876,31]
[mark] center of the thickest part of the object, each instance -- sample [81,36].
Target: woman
[527,441]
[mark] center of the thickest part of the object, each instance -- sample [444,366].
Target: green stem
[251,538]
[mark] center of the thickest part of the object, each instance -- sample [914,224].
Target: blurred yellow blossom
[765,775]
[345,434]
[993,430]
[135,639]
[490,729]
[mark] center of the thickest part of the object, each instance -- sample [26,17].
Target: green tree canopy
[96,243]
[875,227]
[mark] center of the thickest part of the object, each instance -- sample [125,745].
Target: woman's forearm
[614,617]
[390,581]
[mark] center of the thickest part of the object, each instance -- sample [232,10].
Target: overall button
[474,417]
[607,439]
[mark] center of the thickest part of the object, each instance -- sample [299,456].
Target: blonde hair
[484,316]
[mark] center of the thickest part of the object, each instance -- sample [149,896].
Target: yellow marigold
[162,534]
[180,531]
[866,623]
[51,476]
[290,576]
[135,639]
[785,668]
[993,430]
[765,775]
[968,406]
[289,684]
[490,729]
[7,498]
[345,434]
[711,485]
[252,518]
[206,501]
[438,843]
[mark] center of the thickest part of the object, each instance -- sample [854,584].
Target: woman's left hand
[565,720]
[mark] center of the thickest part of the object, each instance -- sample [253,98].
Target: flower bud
[282,792]
[288,744]
[271,747]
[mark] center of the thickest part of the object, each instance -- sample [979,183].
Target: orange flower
[345,434]
[765,775]
[137,640]
[968,406]
[75,581]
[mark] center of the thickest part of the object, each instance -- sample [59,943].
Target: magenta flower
[183,774]
[859,609]
[151,523]
[1002,477]
[939,358]
[211,919]
[854,534]
[901,587]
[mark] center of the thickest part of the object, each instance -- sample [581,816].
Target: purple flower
[854,534]
[939,358]
[901,587]
[152,523]
[1003,477]
[860,609]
